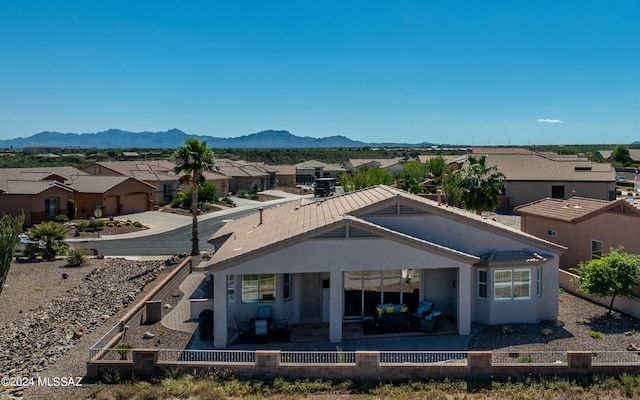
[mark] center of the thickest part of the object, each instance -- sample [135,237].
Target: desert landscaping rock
[39,337]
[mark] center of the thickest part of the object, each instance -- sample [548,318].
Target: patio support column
[335,306]
[220,310]
[465,294]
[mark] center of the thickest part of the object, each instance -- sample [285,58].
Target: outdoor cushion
[389,309]
[380,311]
[404,309]
[397,307]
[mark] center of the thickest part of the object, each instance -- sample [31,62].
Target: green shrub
[254,196]
[123,350]
[596,335]
[96,224]
[242,194]
[61,218]
[77,257]
[82,226]
[137,224]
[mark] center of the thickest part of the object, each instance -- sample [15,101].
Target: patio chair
[242,326]
[282,324]
[264,312]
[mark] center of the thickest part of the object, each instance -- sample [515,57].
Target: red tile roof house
[331,261]
[531,176]
[113,195]
[38,193]
[43,192]
[588,228]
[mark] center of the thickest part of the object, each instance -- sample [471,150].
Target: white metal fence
[210,357]
[319,358]
[615,358]
[399,358]
[499,358]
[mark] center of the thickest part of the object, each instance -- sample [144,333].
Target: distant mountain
[116,138]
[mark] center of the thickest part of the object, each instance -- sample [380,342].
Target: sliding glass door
[363,290]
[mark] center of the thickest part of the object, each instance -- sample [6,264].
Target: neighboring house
[41,149]
[41,193]
[77,149]
[129,155]
[390,164]
[530,176]
[113,195]
[158,173]
[452,162]
[333,261]
[607,155]
[308,171]
[587,227]
[285,175]
[245,176]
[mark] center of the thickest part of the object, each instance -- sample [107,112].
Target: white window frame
[231,289]
[539,281]
[594,254]
[287,287]
[507,286]
[257,288]
[483,284]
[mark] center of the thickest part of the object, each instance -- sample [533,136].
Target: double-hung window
[596,249]
[512,284]
[482,283]
[258,288]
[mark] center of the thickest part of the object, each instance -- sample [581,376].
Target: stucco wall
[522,192]
[444,232]
[613,229]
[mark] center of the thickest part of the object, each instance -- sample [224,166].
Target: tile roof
[530,166]
[239,169]
[299,218]
[311,164]
[575,209]
[381,162]
[35,174]
[31,187]
[523,256]
[98,184]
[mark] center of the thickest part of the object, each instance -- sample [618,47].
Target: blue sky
[460,72]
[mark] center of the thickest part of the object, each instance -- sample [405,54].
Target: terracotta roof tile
[573,209]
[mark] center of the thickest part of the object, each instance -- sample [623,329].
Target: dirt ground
[32,283]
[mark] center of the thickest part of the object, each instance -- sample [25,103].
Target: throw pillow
[389,309]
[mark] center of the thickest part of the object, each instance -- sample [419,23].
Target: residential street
[170,234]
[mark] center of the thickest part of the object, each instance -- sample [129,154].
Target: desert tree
[481,185]
[622,155]
[615,274]
[192,160]
[47,240]
[10,228]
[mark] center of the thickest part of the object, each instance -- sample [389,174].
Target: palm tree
[193,159]
[10,227]
[47,240]
[481,185]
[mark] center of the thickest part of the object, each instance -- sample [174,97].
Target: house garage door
[133,203]
[110,206]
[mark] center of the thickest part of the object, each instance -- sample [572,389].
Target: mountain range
[116,138]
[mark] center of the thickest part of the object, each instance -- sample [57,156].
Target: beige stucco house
[42,193]
[390,164]
[588,228]
[158,173]
[531,176]
[113,195]
[332,261]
